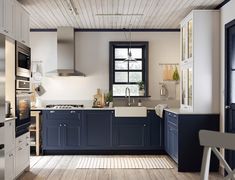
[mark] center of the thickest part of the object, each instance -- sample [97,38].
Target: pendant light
[129,53]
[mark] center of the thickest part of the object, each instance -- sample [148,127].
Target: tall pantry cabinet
[200,53]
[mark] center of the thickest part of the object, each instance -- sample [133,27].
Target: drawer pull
[144,125]
[19,149]
[52,111]
[20,141]
[72,111]
[65,125]
[60,125]
[5,31]
[175,116]
[27,144]
[23,41]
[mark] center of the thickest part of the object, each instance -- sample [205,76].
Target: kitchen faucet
[129,95]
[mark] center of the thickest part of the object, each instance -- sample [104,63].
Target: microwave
[23,60]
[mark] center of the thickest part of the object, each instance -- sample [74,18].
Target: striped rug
[124,162]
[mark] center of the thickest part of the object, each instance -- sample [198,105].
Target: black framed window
[125,73]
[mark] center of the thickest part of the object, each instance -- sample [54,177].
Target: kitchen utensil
[40,90]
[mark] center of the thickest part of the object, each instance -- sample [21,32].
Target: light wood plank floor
[64,168]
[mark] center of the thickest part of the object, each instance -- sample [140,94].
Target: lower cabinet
[130,133]
[100,130]
[22,153]
[182,139]
[97,129]
[61,130]
[10,165]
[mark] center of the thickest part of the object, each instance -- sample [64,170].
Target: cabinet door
[97,129]
[1,14]
[10,165]
[9,17]
[25,28]
[190,38]
[156,130]
[17,9]
[184,42]
[52,134]
[72,135]
[131,133]
[9,135]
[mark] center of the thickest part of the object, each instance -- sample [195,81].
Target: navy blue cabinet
[171,144]
[182,140]
[97,129]
[156,130]
[130,133]
[61,130]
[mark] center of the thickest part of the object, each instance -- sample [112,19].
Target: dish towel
[159,109]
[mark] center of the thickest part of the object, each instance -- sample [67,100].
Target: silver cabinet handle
[65,125]
[20,141]
[144,125]
[52,111]
[72,111]
[60,125]
[23,41]
[174,115]
[19,148]
[27,144]
[10,155]
[227,107]
[5,31]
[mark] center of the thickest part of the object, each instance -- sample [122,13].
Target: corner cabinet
[200,52]
[182,139]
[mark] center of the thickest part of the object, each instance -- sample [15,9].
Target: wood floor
[64,168]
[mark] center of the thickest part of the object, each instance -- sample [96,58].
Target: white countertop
[180,111]
[10,118]
[84,108]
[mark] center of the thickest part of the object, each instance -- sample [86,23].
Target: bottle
[139,103]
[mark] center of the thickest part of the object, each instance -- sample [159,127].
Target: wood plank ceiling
[117,14]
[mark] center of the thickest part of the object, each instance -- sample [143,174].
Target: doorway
[230,86]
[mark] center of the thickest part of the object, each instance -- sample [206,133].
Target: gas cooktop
[64,106]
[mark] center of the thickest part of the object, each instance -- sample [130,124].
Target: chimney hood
[65,53]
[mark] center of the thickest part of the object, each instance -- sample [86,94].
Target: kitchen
[86,88]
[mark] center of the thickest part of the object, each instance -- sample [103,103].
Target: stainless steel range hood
[65,53]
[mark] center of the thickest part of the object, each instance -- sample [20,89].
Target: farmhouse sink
[130,111]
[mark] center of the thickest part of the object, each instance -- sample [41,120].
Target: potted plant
[141,88]
[109,99]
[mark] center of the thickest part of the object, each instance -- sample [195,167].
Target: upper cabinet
[6,22]
[14,21]
[200,54]
[21,24]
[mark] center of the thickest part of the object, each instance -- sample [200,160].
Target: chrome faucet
[129,95]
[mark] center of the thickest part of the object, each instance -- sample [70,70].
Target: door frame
[226,86]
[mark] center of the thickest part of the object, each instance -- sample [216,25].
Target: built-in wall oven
[23,60]
[23,103]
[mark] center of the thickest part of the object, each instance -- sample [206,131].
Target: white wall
[92,58]
[227,15]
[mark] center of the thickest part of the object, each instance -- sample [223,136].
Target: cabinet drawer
[22,140]
[173,118]
[63,115]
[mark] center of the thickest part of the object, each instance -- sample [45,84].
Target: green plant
[109,97]
[141,85]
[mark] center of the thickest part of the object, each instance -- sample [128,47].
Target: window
[124,73]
